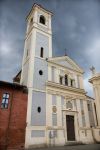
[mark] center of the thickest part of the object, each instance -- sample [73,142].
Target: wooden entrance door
[70,128]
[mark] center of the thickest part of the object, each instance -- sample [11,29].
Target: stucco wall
[42,41]
[38,100]
[40,80]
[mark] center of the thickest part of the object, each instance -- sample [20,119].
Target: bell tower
[38,41]
[38,47]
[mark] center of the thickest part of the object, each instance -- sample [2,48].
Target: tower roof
[40,7]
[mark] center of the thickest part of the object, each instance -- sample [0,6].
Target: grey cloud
[75,24]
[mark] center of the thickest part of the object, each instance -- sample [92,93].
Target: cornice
[95,77]
[63,87]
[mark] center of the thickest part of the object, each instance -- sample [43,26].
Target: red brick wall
[13,119]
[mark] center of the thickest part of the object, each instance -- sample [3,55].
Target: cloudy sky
[75,25]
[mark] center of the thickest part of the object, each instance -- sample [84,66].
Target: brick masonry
[13,119]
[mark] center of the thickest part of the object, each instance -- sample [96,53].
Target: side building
[13,109]
[95,81]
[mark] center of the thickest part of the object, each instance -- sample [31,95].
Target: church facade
[58,109]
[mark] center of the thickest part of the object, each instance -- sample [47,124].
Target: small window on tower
[42,19]
[39,109]
[5,100]
[41,52]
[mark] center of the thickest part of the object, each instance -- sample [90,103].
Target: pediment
[66,62]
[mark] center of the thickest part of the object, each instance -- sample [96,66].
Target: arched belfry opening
[42,19]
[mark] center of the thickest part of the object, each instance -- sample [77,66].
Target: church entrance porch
[70,128]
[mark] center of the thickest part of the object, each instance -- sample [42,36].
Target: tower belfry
[38,47]
[38,41]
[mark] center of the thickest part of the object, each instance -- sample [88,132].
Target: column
[86,113]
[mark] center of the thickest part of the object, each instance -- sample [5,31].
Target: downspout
[93,135]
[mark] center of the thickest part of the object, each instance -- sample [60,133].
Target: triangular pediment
[66,62]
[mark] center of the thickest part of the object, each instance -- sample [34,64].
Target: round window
[39,109]
[40,72]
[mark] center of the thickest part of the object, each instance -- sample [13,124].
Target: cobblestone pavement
[78,147]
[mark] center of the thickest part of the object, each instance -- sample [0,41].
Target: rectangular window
[5,100]
[54,119]
[89,107]
[71,82]
[61,80]
[41,52]
[66,79]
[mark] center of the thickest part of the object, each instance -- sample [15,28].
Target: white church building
[58,110]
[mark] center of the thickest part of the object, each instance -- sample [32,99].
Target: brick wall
[13,119]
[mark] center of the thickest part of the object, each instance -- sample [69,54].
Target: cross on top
[92,70]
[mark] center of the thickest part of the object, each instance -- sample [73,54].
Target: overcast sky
[75,25]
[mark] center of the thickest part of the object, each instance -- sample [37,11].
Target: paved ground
[78,147]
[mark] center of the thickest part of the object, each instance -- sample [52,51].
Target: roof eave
[39,6]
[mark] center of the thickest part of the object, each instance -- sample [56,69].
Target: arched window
[42,19]
[41,52]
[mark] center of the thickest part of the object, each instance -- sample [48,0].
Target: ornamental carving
[54,109]
[69,105]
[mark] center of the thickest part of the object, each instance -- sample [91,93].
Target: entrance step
[72,143]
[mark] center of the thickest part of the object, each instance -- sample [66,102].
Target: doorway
[70,128]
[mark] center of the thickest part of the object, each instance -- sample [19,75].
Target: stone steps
[72,143]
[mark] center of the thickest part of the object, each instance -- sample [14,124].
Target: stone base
[73,143]
[96,134]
